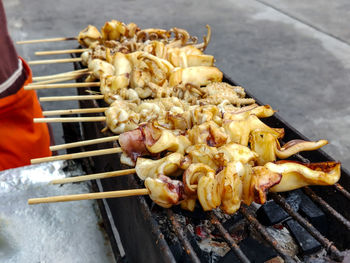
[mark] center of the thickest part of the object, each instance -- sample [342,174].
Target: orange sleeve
[20,139]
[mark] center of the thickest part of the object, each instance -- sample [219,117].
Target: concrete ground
[293,55]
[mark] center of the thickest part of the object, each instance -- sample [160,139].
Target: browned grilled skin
[292,143]
[322,166]
[174,186]
[151,134]
[263,183]
[133,143]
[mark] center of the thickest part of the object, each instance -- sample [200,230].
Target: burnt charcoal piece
[271,213]
[254,251]
[232,221]
[307,243]
[197,214]
[314,214]
[230,225]
[294,200]
[178,252]
[203,255]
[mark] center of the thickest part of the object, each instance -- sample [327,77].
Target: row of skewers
[187,134]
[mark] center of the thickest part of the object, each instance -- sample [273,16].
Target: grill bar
[342,190]
[259,227]
[331,249]
[239,253]
[327,207]
[182,237]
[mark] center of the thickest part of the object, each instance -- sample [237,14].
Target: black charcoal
[254,251]
[294,200]
[307,243]
[271,213]
[313,213]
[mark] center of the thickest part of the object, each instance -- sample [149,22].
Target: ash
[215,248]
[57,232]
[199,231]
[284,239]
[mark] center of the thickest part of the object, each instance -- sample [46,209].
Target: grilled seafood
[152,138]
[267,146]
[194,127]
[172,113]
[236,183]
[164,191]
[296,175]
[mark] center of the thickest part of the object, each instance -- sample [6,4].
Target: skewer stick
[83,143]
[76,155]
[110,194]
[52,61]
[59,75]
[45,40]
[67,98]
[93,176]
[62,79]
[64,51]
[73,111]
[63,85]
[72,119]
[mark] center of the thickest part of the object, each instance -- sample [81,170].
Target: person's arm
[12,72]
[20,139]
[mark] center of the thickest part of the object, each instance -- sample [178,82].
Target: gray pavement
[329,17]
[294,56]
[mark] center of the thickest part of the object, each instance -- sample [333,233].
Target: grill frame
[144,223]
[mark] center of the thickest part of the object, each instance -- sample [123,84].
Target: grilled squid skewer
[238,183]
[101,68]
[296,175]
[148,76]
[168,165]
[89,36]
[171,113]
[268,147]
[196,76]
[228,188]
[151,138]
[234,184]
[164,191]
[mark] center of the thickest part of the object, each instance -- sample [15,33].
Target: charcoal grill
[317,225]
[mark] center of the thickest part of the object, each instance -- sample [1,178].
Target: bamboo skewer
[72,119]
[64,51]
[93,176]
[83,143]
[51,61]
[73,111]
[62,79]
[63,85]
[67,98]
[76,155]
[59,75]
[77,197]
[45,40]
